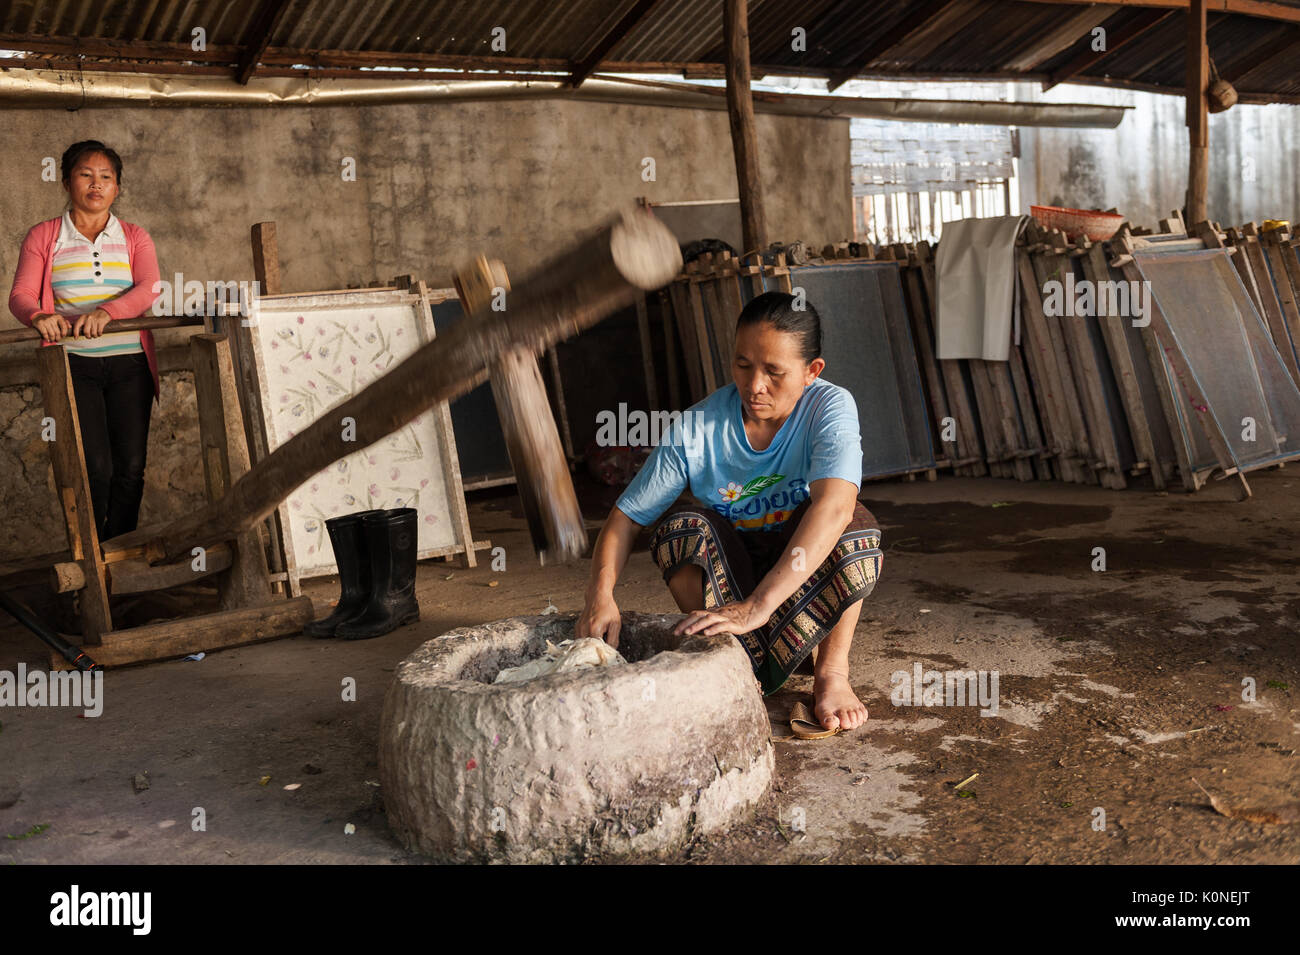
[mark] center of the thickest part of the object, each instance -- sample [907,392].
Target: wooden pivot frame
[95,572]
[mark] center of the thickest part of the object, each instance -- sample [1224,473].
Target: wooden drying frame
[256,398]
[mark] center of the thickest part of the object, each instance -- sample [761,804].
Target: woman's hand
[737,618]
[51,327]
[600,618]
[92,324]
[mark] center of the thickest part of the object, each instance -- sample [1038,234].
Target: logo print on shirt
[734,492]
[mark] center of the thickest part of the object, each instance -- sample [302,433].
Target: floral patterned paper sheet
[315,358]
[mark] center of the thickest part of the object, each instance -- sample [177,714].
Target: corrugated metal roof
[962,38]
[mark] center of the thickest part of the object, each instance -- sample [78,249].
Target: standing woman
[75,275]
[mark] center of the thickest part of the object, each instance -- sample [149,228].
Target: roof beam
[629,22]
[894,36]
[1059,39]
[1114,40]
[268,18]
[1286,45]
[1264,9]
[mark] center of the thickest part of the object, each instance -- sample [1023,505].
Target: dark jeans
[114,400]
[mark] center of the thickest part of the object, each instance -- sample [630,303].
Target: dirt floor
[1117,689]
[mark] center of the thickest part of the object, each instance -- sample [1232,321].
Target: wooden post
[1198,123]
[69,462]
[225,461]
[740,110]
[266,258]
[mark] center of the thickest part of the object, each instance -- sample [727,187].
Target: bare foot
[835,703]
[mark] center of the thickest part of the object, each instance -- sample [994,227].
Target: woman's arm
[25,295]
[139,298]
[830,511]
[600,616]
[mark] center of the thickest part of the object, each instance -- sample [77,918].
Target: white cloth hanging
[975,271]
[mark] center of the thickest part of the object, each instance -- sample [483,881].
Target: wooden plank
[997,454]
[226,460]
[69,462]
[448,454]
[1241,262]
[1071,398]
[202,634]
[1043,369]
[1083,358]
[266,258]
[1197,60]
[690,345]
[740,113]
[138,576]
[1285,275]
[958,398]
[699,322]
[1097,270]
[561,405]
[723,330]
[1029,415]
[937,399]
[670,352]
[1268,293]
[647,359]
[1003,389]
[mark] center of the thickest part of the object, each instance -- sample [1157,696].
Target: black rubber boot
[390,537]
[352,556]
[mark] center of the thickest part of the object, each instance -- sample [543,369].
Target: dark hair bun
[778,310]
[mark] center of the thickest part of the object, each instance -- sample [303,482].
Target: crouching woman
[775,547]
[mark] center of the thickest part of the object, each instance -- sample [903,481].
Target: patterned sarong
[734,562]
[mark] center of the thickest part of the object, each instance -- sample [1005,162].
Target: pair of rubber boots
[375,553]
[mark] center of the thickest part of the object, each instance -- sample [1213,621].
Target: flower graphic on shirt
[735,492]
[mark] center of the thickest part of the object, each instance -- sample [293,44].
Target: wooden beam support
[1198,122]
[264,26]
[225,460]
[69,462]
[744,136]
[626,24]
[186,635]
[911,22]
[1114,40]
[1264,9]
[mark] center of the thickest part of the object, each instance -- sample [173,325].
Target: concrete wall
[434,186]
[1140,168]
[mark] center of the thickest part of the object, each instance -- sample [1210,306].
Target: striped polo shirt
[87,274]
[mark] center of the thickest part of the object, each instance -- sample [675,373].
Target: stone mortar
[635,758]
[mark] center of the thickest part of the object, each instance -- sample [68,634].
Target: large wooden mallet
[597,276]
[533,442]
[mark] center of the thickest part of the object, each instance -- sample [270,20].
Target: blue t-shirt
[708,451]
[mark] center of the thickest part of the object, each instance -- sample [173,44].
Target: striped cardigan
[33,291]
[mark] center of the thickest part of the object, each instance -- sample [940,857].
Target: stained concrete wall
[1140,168]
[434,186]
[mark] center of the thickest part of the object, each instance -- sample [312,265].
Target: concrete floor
[1117,689]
